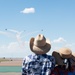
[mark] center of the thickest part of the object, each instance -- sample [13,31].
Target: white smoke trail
[18,35]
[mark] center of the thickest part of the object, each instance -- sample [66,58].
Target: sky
[22,19]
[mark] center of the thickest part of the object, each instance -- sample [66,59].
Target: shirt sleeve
[24,66]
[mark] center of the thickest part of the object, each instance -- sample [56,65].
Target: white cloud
[56,44]
[28,10]
[13,46]
[71,46]
[13,49]
[59,40]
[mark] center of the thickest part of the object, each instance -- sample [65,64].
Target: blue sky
[22,19]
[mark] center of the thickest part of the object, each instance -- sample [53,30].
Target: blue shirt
[38,64]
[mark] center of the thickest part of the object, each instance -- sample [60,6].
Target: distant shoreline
[10,73]
[10,61]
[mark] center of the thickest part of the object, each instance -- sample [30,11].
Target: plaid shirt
[38,64]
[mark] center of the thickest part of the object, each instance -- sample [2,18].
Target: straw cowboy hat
[65,52]
[60,55]
[40,45]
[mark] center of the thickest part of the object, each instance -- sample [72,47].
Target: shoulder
[27,58]
[30,57]
[50,58]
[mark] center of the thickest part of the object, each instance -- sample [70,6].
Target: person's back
[39,63]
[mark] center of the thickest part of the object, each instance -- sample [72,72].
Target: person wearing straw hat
[64,60]
[38,63]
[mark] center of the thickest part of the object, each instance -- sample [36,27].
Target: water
[10,68]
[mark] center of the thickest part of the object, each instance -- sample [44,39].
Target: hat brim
[39,50]
[58,59]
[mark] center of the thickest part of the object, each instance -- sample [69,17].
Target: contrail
[17,35]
